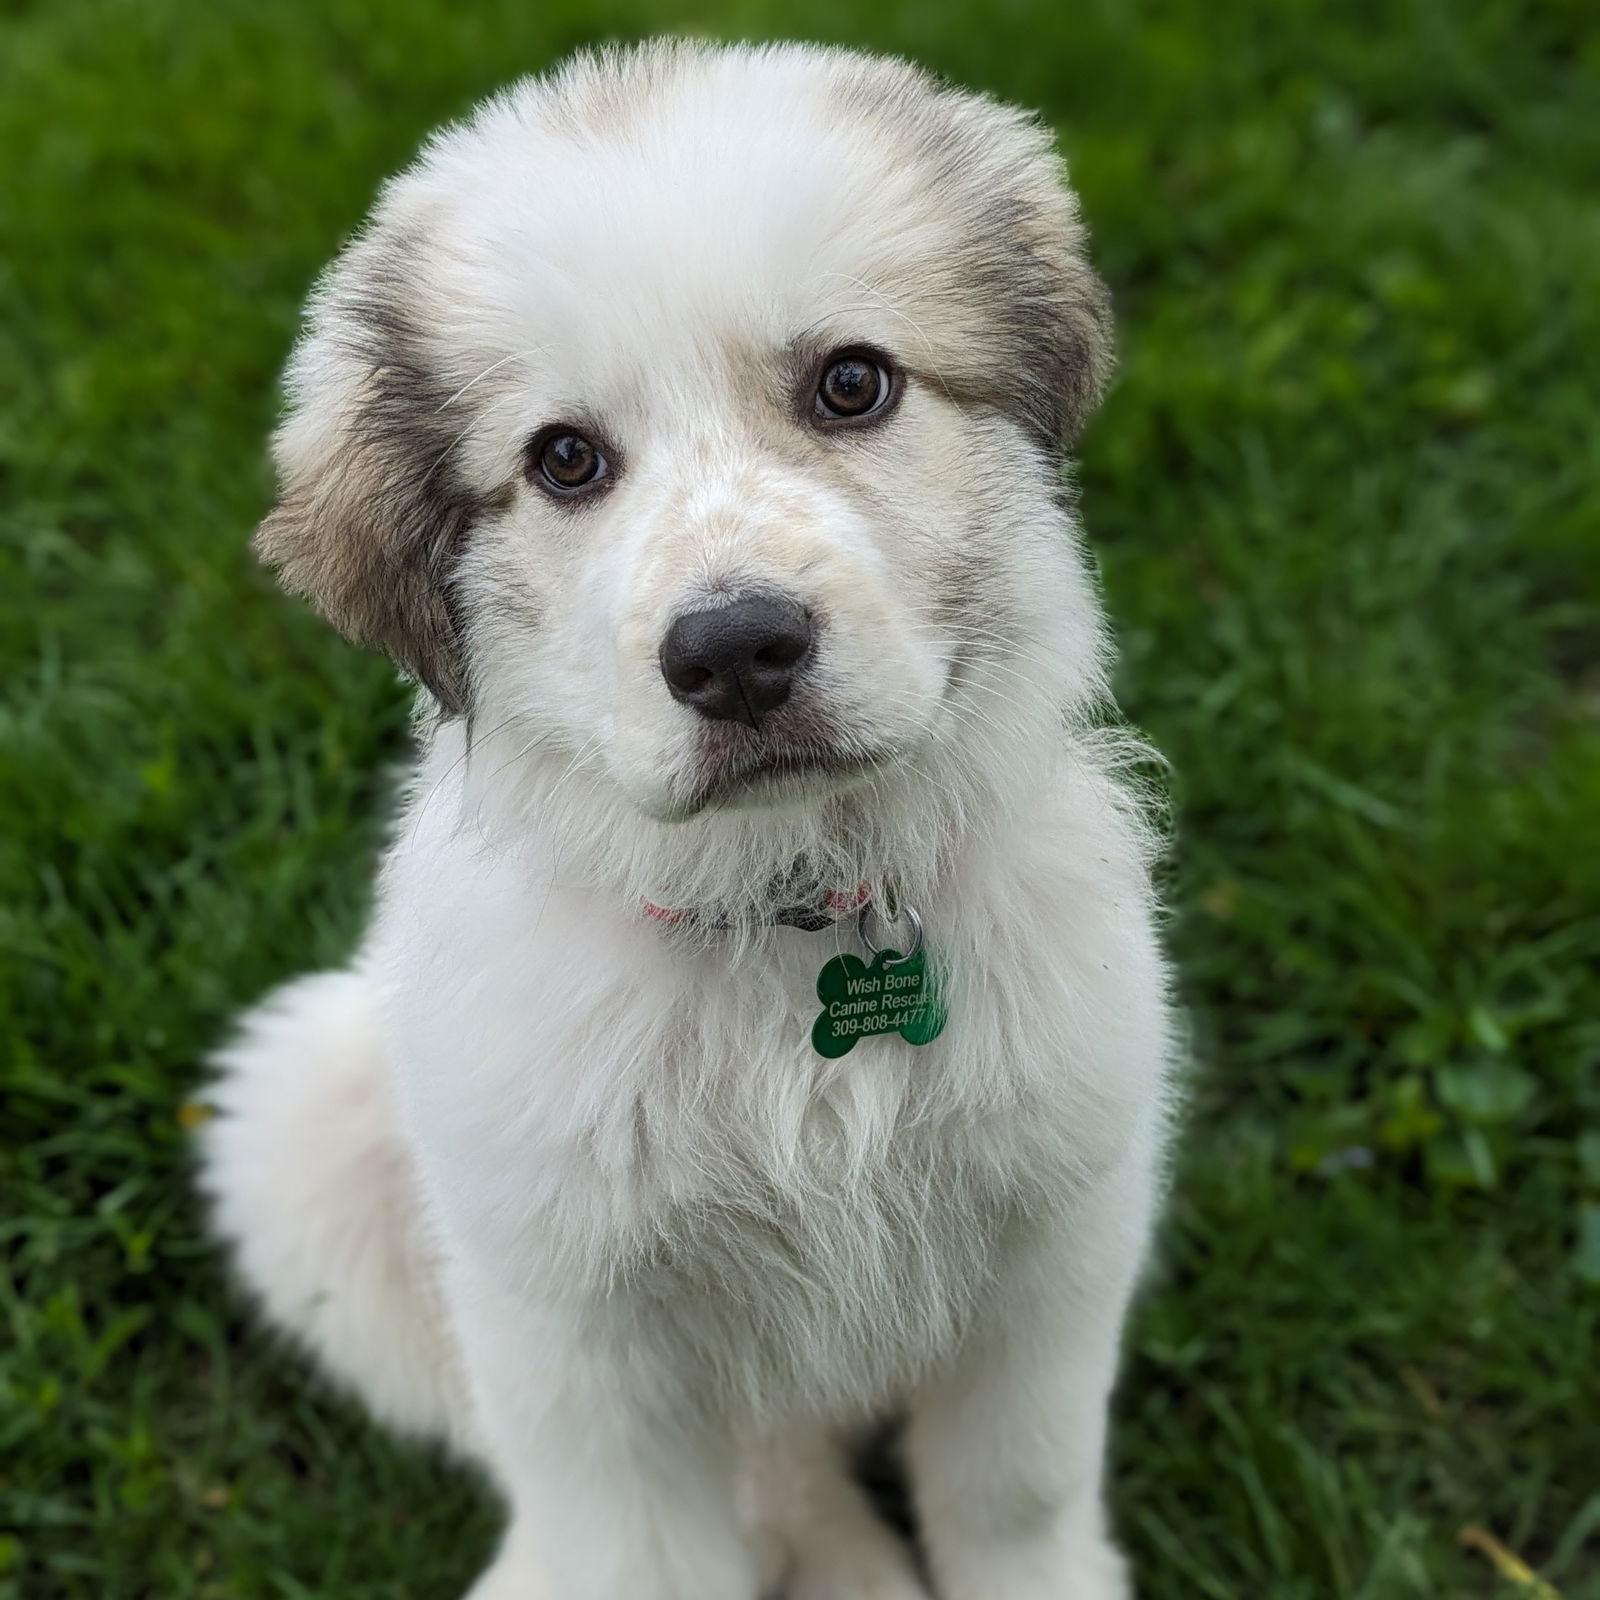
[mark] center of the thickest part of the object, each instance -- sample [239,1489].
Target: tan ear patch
[372,514]
[376,562]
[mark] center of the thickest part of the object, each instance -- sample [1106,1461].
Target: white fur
[569,1188]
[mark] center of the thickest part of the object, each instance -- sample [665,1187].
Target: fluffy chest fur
[610,1113]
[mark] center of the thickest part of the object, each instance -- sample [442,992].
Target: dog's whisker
[516,355]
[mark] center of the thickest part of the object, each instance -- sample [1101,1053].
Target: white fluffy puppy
[689,424]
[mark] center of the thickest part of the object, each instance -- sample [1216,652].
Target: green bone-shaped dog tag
[890,996]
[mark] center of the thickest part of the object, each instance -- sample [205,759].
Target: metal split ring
[910,913]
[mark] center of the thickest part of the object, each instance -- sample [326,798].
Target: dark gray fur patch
[373,540]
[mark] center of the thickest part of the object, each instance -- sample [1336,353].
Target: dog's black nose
[737,662]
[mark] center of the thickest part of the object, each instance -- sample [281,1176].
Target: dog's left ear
[1025,262]
[1076,351]
[371,515]
[1057,309]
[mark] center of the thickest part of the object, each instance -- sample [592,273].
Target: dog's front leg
[1005,1448]
[621,1486]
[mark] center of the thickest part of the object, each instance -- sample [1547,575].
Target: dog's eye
[854,385]
[564,461]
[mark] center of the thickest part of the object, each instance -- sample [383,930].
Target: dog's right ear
[371,514]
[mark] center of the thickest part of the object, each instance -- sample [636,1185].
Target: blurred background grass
[1346,498]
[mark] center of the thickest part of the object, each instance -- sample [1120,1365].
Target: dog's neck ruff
[833,907]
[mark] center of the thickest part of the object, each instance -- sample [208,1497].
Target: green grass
[1347,504]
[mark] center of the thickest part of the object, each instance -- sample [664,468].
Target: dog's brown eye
[565,461]
[854,385]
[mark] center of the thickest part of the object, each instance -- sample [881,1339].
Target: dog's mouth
[778,774]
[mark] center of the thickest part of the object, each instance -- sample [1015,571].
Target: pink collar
[836,904]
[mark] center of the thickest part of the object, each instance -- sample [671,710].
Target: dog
[763,1031]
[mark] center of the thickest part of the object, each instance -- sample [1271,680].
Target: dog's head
[699,413]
